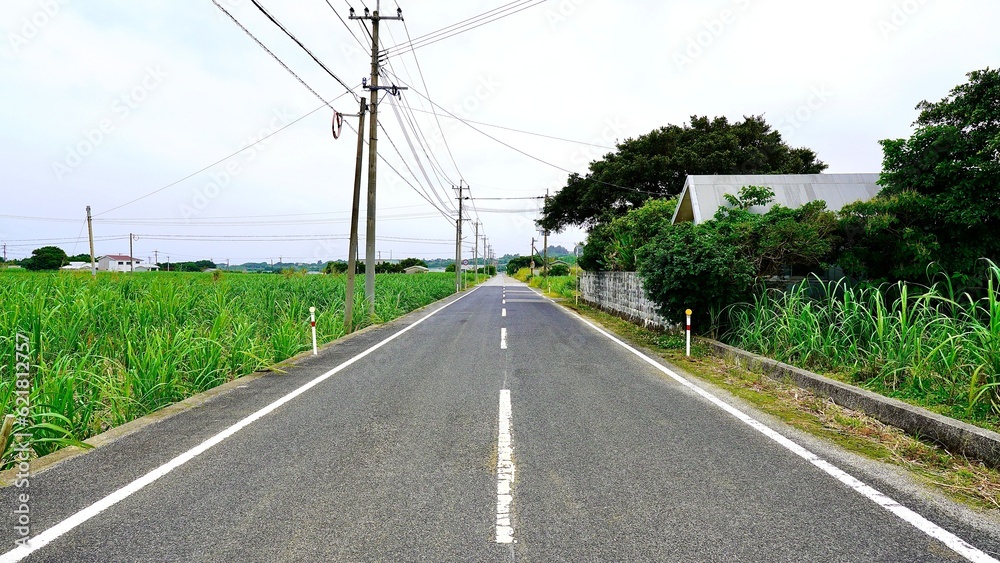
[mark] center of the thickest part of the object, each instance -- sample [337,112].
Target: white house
[703,195]
[117,263]
[416,270]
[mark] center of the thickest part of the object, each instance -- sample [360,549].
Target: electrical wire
[270,52]
[462,26]
[221,160]
[515,149]
[304,48]
[395,109]
[339,17]
[423,81]
[403,178]
[527,132]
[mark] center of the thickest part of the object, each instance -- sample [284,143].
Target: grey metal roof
[703,195]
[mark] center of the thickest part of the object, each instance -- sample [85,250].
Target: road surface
[494,426]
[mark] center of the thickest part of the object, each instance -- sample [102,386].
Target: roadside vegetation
[912,309]
[106,351]
[923,345]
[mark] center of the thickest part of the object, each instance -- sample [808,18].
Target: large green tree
[46,258]
[656,164]
[940,198]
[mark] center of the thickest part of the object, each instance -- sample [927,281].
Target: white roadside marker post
[688,330]
[312,322]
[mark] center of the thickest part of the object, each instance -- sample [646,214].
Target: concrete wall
[620,293]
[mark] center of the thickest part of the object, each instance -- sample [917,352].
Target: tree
[710,266]
[614,246]
[410,262]
[388,268]
[78,258]
[781,238]
[46,258]
[557,270]
[450,267]
[940,198]
[656,164]
[520,262]
[335,267]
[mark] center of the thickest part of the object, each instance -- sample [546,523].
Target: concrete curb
[956,436]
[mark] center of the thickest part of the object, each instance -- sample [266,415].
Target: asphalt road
[407,454]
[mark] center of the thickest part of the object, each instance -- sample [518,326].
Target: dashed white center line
[505,472]
[503,339]
[503,313]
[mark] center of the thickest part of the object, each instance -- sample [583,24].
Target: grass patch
[557,287]
[923,345]
[107,350]
[959,478]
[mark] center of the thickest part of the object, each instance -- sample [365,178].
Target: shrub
[559,270]
[693,267]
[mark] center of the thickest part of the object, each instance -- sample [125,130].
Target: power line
[515,149]
[270,52]
[304,48]
[462,26]
[186,222]
[459,32]
[416,157]
[339,17]
[507,198]
[221,160]
[425,195]
[403,178]
[526,132]
[423,81]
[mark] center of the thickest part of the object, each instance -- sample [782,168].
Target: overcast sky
[107,101]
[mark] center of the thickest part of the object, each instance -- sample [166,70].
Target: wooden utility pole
[545,249]
[90,232]
[375,17]
[352,251]
[475,250]
[458,242]
[372,161]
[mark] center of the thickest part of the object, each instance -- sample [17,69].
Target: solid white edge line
[953,542]
[503,338]
[51,534]
[505,471]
